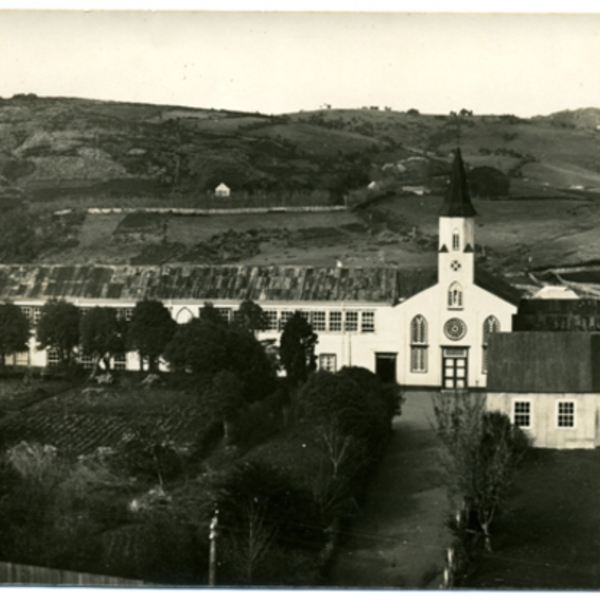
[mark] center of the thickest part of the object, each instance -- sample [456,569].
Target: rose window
[455,329]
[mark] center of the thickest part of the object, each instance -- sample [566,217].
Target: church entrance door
[455,368]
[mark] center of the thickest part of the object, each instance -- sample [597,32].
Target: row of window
[33,313]
[419,342]
[119,361]
[321,320]
[565,414]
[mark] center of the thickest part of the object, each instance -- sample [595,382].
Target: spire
[457,202]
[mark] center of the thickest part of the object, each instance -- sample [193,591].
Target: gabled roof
[199,282]
[544,361]
[498,286]
[457,201]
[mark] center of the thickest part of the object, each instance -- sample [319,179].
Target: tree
[101,335]
[226,398]
[14,331]
[297,349]
[487,182]
[150,330]
[58,328]
[484,451]
[198,346]
[147,451]
[250,317]
[209,313]
[204,347]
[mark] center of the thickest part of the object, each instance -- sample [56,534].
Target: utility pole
[212,563]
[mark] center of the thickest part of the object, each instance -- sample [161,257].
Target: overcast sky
[524,64]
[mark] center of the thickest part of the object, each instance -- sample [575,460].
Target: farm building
[548,382]
[558,314]
[222,191]
[424,327]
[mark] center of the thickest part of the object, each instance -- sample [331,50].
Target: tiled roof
[544,361]
[274,283]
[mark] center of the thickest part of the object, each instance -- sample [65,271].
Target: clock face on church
[455,329]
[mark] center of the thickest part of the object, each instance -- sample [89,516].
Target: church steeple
[457,201]
[456,255]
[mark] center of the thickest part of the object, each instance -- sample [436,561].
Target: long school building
[425,327]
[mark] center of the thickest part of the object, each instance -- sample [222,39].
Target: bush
[259,507]
[354,399]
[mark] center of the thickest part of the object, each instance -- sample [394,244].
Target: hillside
[65,153]
[61,147]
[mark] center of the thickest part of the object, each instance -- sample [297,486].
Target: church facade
[419,327]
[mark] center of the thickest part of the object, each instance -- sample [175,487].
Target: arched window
[184,315]
[418,330]
[455,295]
[490,325]
[455,240]
[418,345]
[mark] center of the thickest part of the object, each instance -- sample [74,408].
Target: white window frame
[119,361]
[52,357]
[419,348]
[318,320]
[367,321]
[455,240]
[351,325]
[514,414]
[326,361]
[335,326]
[557,413]
[86,361]
[271,319]
[418,359]
[22,359]
[455,286]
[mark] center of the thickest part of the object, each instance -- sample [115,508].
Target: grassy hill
[58,153]
[62,147]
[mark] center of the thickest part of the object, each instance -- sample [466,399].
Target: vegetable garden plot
[81,433]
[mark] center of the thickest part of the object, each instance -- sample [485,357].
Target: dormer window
[455,240]
[455,296]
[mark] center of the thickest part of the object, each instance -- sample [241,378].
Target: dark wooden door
[385,367]
[455,368]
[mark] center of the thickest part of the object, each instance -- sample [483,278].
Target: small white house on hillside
[548,382]
[222,191]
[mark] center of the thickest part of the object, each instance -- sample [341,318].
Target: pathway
[399,539]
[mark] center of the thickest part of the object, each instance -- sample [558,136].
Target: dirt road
[398,536]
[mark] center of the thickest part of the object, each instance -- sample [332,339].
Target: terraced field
[78,422]
[81,433]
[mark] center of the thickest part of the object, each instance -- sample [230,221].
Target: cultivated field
[83,419]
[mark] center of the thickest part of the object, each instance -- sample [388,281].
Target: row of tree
[208,344]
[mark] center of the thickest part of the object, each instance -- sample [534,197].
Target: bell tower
[456,251]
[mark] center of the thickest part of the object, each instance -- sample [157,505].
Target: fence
[33,575]
[211,211]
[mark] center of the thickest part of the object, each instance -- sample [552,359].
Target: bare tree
[249,544]
[483,451]
[336,445]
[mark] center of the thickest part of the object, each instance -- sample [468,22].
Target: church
[418,327]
